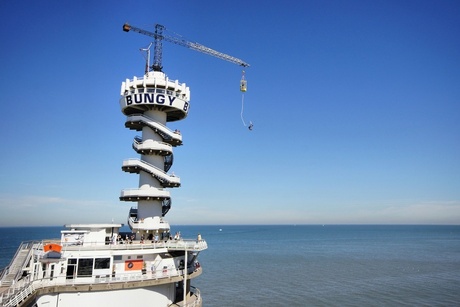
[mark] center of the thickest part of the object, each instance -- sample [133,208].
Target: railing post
[185,276]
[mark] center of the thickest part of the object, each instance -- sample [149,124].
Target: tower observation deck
[150,103]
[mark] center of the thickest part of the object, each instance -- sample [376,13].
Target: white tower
[149,104]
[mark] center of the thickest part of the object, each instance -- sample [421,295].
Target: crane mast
[158,47]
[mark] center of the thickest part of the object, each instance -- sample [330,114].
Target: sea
[313,265]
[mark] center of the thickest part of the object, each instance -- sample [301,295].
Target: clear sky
[355,105]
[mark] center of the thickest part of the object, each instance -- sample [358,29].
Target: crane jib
[159,37]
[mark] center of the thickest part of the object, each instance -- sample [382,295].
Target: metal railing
[166,133]
[25,287]
[17,263]
[181,244]
[195,299]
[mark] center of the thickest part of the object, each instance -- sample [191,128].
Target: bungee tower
[150,103]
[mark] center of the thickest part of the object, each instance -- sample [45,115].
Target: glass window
[72,261]
[101,263]
[85,267]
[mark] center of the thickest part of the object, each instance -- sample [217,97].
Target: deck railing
[182,244]
[25,287]
[195,299]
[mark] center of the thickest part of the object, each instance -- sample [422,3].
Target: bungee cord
[242,109]
[243,89]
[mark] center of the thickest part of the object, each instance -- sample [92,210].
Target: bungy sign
[154,99]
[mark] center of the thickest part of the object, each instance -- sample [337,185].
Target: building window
[101,263]
[85,267]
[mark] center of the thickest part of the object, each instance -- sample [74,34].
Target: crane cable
[243,89]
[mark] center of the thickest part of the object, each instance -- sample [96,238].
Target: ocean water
[314,265]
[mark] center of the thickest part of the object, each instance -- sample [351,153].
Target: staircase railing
[13,266]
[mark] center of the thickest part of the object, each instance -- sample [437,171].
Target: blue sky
[355,105]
